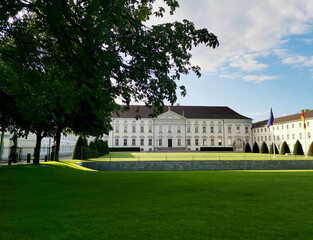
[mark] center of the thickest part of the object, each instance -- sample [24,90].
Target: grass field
[64,201]
[155,156]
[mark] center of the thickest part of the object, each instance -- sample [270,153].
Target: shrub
[99,147]
[297,150]
[284,148]
[78,149]
[93,149]
[264,148]
[272,149]
[255,148]
[310,152]
[247,148]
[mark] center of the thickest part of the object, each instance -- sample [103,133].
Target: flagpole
[304,130]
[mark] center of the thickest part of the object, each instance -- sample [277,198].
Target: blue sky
[265,57]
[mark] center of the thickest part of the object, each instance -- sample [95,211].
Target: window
[269,138]
[293,137]
[133,142]
[116,142]
[169,129]
[150,142]
[300,135]
[309,135]
[287,126]
[142,142]
[160,142]
[188,129]
[178,129]
[117,128]
[282,127]
[188,142]
[125,142]
[204,129]
[246,130]
[219,129]
[196,141]
[229,141]
[150,129]
[277,137]
[274,138]
[160,129]
[142,129]
[133,129]
[262,138]
[178,142]
[204,142]
[196,130]
[258,139]
[308,124]
[220,142]
[238,129]
[299,125]
[287,136]
[211,129]
[292,125]
[282,137]
[277,127]
[229,130]
[125,129]
[212,142]
[265,138]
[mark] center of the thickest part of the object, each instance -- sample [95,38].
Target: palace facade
[192,128]
[288,128]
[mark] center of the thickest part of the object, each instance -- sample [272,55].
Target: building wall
[288,131]
[172,129]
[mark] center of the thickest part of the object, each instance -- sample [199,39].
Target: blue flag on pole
[271,119]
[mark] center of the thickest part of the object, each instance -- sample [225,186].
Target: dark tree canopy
[71,60]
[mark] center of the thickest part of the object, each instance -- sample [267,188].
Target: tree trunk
[37,148]
[57,140]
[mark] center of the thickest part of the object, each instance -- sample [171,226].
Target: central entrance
[169,143]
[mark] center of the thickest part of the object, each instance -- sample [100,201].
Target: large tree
[87,53]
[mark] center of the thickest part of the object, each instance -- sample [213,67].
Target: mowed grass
[188,156]
[64,201]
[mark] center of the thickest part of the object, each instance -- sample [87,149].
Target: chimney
[183,113]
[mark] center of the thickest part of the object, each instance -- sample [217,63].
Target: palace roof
[189,112]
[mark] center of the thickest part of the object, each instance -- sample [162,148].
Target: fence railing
[203,158]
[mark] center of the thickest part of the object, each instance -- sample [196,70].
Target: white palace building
[288,128]
[192,128]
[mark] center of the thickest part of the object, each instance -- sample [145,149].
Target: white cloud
[309,62]
[258,79]
[295,60]
[244,27]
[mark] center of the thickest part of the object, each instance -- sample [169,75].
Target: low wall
[200,165]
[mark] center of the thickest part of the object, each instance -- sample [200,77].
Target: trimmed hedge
[125,149]
[216,149]
[264,148]
[255,148]
[94,152]
[78,149]
[298,150]
[272,149]
[247,148]
[310,152]
[284,148]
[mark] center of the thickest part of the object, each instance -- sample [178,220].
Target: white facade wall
[173,130]
[287,131]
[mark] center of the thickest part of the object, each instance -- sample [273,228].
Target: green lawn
[64,201]
[155,156]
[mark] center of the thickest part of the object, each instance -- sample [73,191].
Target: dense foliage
[310,151]
[284,148]
[64,63]
[247,148]
[297,149]
[264,148]
[255,148]
[273,145]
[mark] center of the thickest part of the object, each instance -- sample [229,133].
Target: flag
[271,119]
[303,119]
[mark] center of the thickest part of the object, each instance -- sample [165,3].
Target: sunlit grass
[65,201]
[155,156]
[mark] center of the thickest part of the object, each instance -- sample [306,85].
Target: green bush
[272,149]
[86,151]
[255,148]
[99,147]
[297,150]
[94,152]
[310,152]
[284,148]
[264,148]
[247,148]
[78,149]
